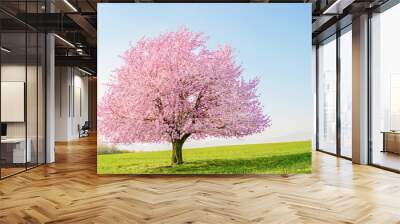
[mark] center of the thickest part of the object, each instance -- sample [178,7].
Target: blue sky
[271,41]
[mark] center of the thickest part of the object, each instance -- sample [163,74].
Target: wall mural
[204,89]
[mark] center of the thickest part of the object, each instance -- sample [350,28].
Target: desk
[391,141]
[15,148]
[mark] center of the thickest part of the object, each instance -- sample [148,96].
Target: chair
[84,130]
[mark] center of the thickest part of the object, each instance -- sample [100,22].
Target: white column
[314,85]
[360,90]
[50,98]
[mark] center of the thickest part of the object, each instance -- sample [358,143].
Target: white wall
[80,104]
[9,73]
[62,82]
[16,72]
[71,94]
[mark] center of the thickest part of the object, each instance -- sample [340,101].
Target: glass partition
[22,78]
[14,153]
[31,99]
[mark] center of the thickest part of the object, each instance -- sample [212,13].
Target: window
[346,92]
[385,89]
[327,95]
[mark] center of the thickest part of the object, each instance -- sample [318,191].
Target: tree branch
[185,136]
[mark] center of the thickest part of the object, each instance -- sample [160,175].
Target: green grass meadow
[270,158]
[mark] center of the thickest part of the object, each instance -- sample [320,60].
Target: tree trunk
[177,144]
[177,152]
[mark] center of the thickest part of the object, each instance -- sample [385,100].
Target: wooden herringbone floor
[70,191]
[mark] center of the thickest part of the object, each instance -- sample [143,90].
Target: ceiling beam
[79,61]
[338,6]
[86,27]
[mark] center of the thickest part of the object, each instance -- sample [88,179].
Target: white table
[19,154]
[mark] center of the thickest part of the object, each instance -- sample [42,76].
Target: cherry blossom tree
[173,87]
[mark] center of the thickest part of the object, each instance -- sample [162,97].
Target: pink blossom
[172,86]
